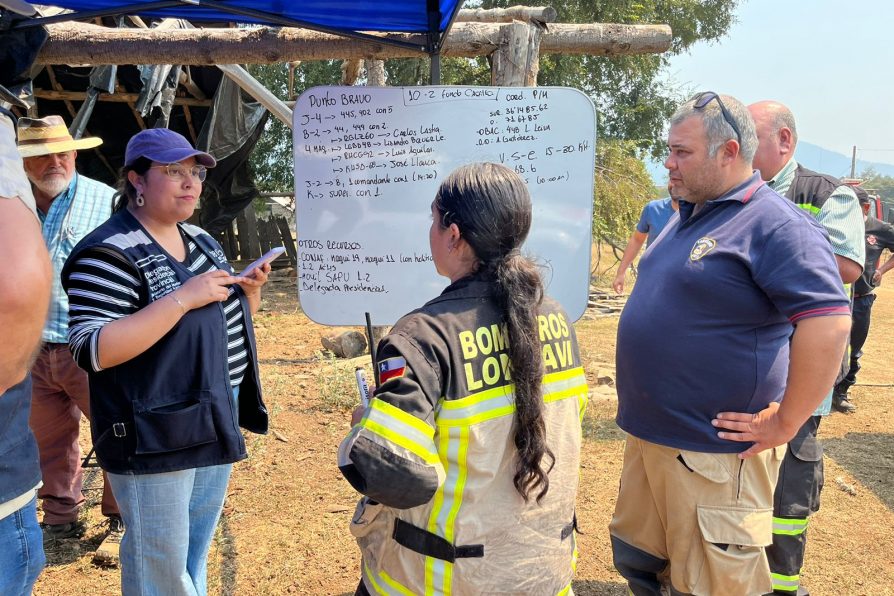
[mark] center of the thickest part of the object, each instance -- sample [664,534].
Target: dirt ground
[284,527]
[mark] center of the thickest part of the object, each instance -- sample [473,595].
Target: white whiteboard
[368,162]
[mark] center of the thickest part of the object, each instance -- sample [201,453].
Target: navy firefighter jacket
[171,407]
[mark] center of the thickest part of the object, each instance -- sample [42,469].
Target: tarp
[348,17]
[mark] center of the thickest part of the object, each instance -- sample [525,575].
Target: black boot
[841,403]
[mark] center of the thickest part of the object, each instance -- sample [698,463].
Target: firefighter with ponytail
[468,453]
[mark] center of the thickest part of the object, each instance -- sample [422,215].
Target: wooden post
[229,243]
[286,234]
[350,70]
[375,73]
[246,222]
[517,60]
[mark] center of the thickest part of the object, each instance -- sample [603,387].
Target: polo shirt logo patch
[871,239]
[702,247]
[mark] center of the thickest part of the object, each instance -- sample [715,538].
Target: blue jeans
[21,551]
[169,521]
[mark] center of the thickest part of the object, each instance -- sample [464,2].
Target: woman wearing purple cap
[163,328]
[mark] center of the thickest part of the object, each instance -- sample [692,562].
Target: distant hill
[836,164]
[808,154]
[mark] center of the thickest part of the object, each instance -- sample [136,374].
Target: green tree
[271,161]
[880,183]
[622,188]
[632,101]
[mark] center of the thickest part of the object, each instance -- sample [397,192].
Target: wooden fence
[248,237]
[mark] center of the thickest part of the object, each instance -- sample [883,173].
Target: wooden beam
[74,113]
[81,43]
[59,95]
[192,130]
[541,14]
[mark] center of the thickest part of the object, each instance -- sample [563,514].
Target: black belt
[431,545]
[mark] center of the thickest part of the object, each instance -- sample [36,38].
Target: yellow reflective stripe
[424,452]
[789,527]
[582,402]
[574,391]
[378,405]
[499,401]
[564,591]
[434,568]
[395,587]
[496,412]
[477,398]
[481,396]
[785,583]
[461,476]
[459,487]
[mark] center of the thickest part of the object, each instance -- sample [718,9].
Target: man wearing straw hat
[69,206]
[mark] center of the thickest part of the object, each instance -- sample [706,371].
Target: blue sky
[831,62]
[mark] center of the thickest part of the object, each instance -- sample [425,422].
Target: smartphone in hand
[267,257]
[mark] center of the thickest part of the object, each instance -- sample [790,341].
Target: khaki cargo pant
[700,519]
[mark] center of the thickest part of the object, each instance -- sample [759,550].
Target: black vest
[172,407]
[811,189]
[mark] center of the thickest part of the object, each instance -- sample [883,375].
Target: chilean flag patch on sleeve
[392,368]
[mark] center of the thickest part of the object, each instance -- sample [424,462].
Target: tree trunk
[82,43]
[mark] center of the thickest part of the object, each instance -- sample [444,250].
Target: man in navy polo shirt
[705,363]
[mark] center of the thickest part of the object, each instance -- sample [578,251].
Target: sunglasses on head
[705,97]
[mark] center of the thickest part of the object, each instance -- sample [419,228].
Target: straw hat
[18,6]
[43,136]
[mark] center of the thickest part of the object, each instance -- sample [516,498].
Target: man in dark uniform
[879,236]
[835,206]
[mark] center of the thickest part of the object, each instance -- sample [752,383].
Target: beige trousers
[709,515]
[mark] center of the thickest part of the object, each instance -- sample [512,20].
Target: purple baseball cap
[163,145]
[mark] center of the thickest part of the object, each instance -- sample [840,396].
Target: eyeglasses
[705,97]
[175,171]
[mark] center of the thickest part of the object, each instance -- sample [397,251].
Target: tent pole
[435,78]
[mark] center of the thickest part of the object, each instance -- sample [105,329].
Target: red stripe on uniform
[820,312]
[751,191]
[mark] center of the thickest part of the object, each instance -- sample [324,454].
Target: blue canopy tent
[351,18]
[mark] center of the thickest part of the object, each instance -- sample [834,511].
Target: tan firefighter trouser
[708,515]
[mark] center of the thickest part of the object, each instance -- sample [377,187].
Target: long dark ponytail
[491,206]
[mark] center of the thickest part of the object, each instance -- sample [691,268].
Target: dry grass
[284,528]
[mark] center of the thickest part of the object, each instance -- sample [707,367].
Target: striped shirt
[842,218]
[841,215]
[104,288]
[72,215]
